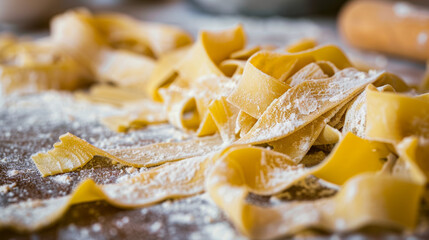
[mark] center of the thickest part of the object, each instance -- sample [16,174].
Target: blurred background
[278,22]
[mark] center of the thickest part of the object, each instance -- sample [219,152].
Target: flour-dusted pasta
[259,120]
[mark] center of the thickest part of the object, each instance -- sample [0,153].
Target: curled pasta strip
[301,45]
[266,73]
[106,45]
[73,152]
[355,118]
[144,189]
[68,155]
[122,31]
[242,170]
[209,51]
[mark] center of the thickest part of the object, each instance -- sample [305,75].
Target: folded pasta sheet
[266,73]
[305,102]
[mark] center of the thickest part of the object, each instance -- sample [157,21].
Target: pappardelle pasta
[255,114]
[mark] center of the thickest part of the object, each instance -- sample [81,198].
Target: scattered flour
[120,223]
[5,188]
[12,173]
[62,179]
[96,227]
[156,226]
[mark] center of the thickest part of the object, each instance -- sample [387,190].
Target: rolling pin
[396,28]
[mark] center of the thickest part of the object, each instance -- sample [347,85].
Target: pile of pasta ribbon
[258,118]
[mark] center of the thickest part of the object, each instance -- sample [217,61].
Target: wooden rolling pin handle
[391,27]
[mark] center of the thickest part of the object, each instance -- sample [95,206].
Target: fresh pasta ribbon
[244,123]
[91,40]
[116,96]
[301,45]
[297,144]
[333,214]
[188,106]
[263,88]
[132,121]
[356,115]
[352,156]
[394,81]
[165,72]
[242,170]
[89,48]
[246,53]
[209,89]
[207,126]
[73,32]
[224,115]
[329,135]
[209,51]
[237,60]
[67,155]
[149,38]
[144,189]
[73,152]
[124,68]
[306,102]
[412,163]
[189,92]
[270,168]
[27,67]
[157,154]
[310,71]
[392,117]
[140,113]
[234,66]
[266,72]
[181,109]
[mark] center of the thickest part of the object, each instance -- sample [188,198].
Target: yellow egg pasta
[143,189]
[67,155]
[258,121]
[392,117]
[73,152]
[239,172]
[304,103]
[28,67]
